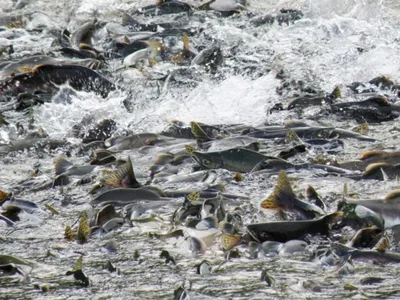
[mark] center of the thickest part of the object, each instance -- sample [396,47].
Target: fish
[372,110]
[236,160]
[123,196]
[64,168]
[381,171]
[30,142]
[211,58]
[83,34]
[247,161]
[364,255]
[283,198]
[304,131]
[144,56]
[27,64]
[49,77]
[305,101]
[116,144]
[163,7]
[283,231]
[387,207]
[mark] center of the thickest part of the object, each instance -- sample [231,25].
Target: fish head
[207,160]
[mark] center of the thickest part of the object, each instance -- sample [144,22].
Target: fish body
[388,207]
[290,230]
[49,77]
[237,160]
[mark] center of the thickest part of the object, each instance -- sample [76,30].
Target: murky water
[336,43]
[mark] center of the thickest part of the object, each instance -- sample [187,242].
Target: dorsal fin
[123,177]
[198,132]
[282,187]
[336,93]
[128,20]
[368,154]
[373,167]
[127,40]
[38,68]
[379,100]
[61,165]
[193,196]
[392,195]
[291,136]
[228,241]
[382,80]
[362,128]
[383,244]
[190,149]
[312,194]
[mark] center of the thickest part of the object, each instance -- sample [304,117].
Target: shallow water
[322,49]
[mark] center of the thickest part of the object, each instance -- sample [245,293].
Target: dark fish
[289,16]
[123,196]
[372,110]
[163,7]
[365,255]
[211,58]
[83,34]
[304,131]
[305,101]
[27,64]
[380,156]
[94,132]
[49,77]
[290,230]
[381,171]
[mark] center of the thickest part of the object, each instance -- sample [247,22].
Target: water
[336,43]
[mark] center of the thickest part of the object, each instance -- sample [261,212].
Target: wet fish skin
[284,199]
[372,110]
[289,230]
[123,196]
[237,159]
[388,207]
[32,61]
[83,34]
[365,255]
[49,77]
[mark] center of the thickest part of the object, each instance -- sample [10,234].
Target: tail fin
[282,188]
[336,93]
[179,58]
[190,149]
[124,177]
[291,136]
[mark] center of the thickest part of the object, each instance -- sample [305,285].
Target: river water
[334,44]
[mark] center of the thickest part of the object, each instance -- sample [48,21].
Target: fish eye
[206,162]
